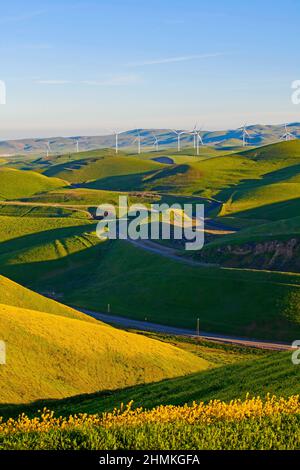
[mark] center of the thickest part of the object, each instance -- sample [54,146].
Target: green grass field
[222,176]
[82,271]
[91,197]
[271,373]
[100,168]
[275,230]
[17,184]
[71,363]
[54,351]
[20,210]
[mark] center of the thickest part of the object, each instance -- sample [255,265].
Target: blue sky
[85,67]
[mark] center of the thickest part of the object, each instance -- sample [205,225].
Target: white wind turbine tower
[197,138]
[156,142]
[116,141]
[246,135]
[179,134]
[77,146]
[194,135]
[48,148]
[287,135]
[138,140]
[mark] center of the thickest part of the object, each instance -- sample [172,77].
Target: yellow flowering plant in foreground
[235,410]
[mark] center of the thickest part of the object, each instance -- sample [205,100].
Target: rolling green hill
[100,168]
[17,184]
[276,230]
[267,212]
[91,197]
[23,210]
[283,152]
[84,272]
[258,197]
[63,352]
[276,186]
[271,206]
[18,230]
[15,295]
[272,245]
[220,176]
[274,373]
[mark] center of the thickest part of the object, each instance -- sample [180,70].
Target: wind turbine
[77,146]
[179,134]
[48,148]
[197,138]
[287,135]
[138,140]
[116,141]
[246,135]
[194,135]
[156,142]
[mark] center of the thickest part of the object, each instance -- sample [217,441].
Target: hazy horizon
[102,134]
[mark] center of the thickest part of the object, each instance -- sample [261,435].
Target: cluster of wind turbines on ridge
[195,132]
[197,139]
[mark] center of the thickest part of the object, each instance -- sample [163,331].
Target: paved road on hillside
[155,327]
[170,253]
[167,252]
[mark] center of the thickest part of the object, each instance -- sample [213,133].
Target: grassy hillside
[208,177]
[99,168]
[62,246]
[274,190]
[15,295]
[277,230]
[269,212]
[22,210]
[90,274]
[271,245]
[283,152]
[17,184]
[18,230]
[91,197]
[273,373]
[219,297]
[55,356]
[220,176]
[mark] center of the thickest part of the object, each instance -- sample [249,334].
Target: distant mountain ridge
[258,135]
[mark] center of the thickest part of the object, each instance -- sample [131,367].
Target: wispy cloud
[116,80]
[59,8]
[169,60]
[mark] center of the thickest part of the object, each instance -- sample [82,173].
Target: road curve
[167,252]
[155,327]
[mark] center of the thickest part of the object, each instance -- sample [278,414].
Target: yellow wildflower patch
[196,413]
